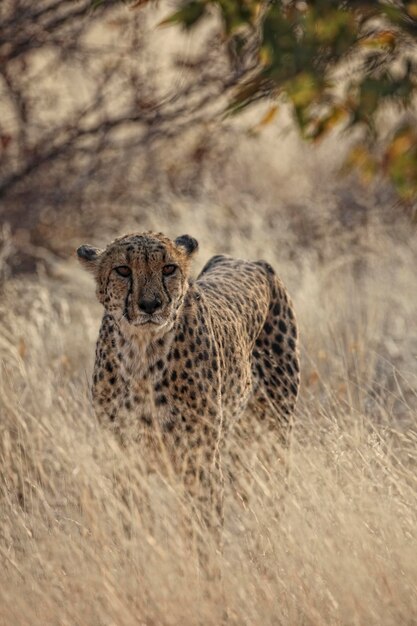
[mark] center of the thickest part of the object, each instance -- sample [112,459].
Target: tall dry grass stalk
[88,536]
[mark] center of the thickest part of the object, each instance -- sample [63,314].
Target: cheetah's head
[141,278]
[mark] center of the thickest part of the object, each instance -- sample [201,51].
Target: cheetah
[178,360]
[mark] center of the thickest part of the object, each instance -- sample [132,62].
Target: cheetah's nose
[149,306]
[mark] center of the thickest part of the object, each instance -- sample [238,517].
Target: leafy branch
[337,64]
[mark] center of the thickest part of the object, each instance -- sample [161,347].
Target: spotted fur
[181,373]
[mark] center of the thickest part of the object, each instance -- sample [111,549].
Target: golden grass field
[89,537]
[334,542]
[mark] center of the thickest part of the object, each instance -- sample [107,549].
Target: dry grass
[87,535]
[334,543]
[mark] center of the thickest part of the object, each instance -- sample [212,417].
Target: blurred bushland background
[283,131]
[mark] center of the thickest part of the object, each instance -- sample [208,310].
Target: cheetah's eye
[167,270]
[123,270]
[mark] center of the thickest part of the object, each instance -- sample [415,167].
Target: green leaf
[189,14]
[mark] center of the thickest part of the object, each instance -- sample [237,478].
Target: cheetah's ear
[189,244]
[88,256]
